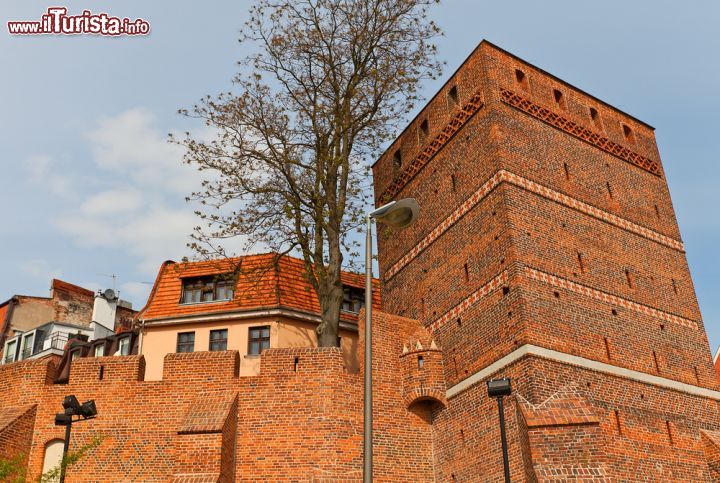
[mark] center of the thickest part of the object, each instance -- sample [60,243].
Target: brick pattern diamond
[538,189]
[433,147]
[563,283]
[578,131]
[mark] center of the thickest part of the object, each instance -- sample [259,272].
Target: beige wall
[284,332]
[30,313]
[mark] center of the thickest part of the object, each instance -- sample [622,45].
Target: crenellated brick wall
[300,419]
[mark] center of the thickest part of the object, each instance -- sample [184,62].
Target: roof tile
[263,281]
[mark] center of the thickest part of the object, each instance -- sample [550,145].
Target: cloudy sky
[89,186]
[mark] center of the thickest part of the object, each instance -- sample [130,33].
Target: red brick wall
[16,431]
[300,419]
[545,223]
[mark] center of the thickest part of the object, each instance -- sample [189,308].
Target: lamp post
[72,407]
[498,388]
[398,214]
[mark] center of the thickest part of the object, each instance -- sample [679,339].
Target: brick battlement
[188,368]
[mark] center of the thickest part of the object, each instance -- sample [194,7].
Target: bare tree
[324,89]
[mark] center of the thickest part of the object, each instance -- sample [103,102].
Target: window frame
[14,344]
[24,346]
[179,344]
[121,341]
[263,342]
[200,287]
[354,303]
[212,341]
[101,347]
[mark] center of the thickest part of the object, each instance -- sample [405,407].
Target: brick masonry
[546,223]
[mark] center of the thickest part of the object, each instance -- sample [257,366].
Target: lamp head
[398,214]
[62,419]
[71,404]
[499,387]
[88,409]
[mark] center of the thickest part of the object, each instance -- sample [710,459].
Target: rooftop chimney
[103,316]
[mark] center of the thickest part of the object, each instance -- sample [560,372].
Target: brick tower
[547,251]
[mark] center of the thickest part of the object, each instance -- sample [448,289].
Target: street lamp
[398,214]
[72,407]
[498,388]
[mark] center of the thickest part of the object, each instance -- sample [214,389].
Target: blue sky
[89,186]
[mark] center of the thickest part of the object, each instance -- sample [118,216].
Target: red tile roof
[263,282]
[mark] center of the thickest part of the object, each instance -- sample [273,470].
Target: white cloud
[40,168]
[138,207]
[40,269]
[121,200]
[140,210]
[130,144]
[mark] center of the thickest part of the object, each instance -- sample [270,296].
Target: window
[99,350]
[74,355]
[521,79]
[258,339]
[207,289]
[397,160]
[353,299]
[628,133]
[218,340]
[453,98]
[11,349]
[27,346]
[124,346]
[185,342]
[424,130]
[593,114]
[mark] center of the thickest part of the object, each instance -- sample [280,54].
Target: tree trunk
[329,336]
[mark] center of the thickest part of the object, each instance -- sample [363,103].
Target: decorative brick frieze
[563,283]
[581,132]
[497,282]
[458,121]
[545,192]
[587,209]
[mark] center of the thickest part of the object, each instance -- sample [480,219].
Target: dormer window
[353,299]
[123,346]
[207,289]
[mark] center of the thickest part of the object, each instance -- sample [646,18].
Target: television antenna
[114,279]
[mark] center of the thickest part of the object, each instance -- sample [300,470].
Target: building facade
[33,327]
[247,304]
[547,251]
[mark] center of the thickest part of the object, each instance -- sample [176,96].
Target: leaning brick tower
[547,251]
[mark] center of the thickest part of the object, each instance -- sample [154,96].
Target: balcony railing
[57,340]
